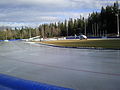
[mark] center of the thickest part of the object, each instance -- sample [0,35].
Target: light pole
[85,26]
[118,33]
[5,34]
[117,14]
[67,30]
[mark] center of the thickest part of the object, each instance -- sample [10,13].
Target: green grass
[97,43]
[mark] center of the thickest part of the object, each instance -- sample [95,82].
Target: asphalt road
[80,69]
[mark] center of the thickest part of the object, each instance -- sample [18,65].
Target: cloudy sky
[35,12]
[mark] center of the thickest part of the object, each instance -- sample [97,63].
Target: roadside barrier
[15,83]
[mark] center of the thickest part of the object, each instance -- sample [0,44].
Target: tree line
[103,23]
[18,33]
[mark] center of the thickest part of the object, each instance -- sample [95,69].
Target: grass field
[97,43]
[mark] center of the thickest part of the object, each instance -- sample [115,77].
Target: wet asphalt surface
[80,69]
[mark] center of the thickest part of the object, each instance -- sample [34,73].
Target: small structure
[83,37]
[6,40]
[37,38]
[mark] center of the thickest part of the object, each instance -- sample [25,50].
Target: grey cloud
[41,11]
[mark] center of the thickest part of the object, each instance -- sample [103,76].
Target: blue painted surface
[21,84]
[12,40]
[15,39]
[1,40]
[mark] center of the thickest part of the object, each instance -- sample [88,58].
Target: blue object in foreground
[21,84]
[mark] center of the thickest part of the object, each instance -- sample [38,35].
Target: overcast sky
[35,12]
